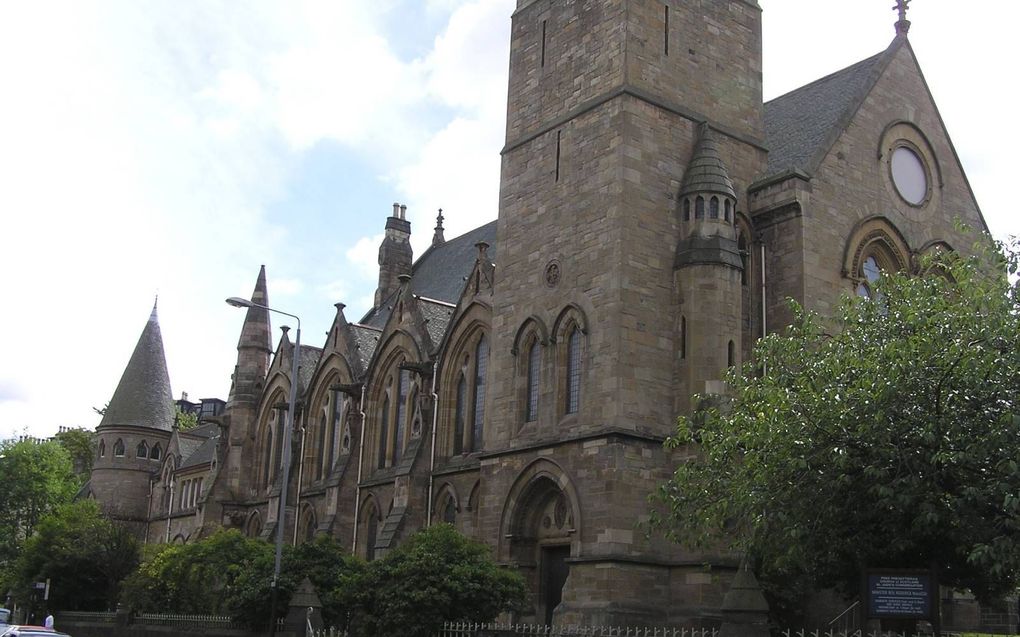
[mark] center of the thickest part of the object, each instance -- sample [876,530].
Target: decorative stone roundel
[909,175]
[552,273]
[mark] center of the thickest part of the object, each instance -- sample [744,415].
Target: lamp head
[237,301]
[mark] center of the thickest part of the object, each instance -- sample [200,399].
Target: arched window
[449,514]
[335,427]
[102,448]
[699,208]
[384,429]
[731,354]
[142,450]
[687,209]
[118,448]
[322,448]
[573,370]
[400,416]
[267,457]
[156,453]
[534,378]
[345,440]
[726,213]
[713,208]
[459,415]
[870,273]
[481,368]
[371,532]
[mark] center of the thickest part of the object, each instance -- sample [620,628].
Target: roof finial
[152,317]
[902,25]
[437,237]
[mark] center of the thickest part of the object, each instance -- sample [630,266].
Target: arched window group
[270,446]
[717,207]
[469,398]
[566,351]
[396,409]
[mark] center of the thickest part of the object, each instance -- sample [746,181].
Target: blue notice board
[899,594]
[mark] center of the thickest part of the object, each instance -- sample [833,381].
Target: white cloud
[364,256]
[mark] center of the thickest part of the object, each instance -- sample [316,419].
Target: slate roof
[143,397]
[366,339]
[202,455]
[206,430]
[706,171]
[802,125]
[306,368]
[437,317]
[188,446]
[439,272]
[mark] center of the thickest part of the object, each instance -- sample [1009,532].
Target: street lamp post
[291,414]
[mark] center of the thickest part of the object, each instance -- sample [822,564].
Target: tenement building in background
[518,381]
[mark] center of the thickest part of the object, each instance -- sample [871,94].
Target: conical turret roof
[143,397]
[706,173]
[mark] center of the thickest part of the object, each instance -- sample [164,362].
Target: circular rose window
[909,175]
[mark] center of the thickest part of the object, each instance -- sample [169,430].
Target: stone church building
[518,381]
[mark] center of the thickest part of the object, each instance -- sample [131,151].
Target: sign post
[902,594]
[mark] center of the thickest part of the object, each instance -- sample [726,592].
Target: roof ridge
[847,69]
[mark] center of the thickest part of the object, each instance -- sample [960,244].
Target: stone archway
[540,523]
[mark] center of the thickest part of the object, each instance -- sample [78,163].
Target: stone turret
[135,431]
[708,271]
[394,254]
[254,349]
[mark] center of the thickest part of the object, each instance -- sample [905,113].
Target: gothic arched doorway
[540,519]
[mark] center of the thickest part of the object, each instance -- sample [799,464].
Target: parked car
[5,617]
[30,631]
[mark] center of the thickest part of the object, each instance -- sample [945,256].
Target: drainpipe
[361,461]
[432,457]
[764,327]
[300,473]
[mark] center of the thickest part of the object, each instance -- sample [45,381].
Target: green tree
[436,576]
[80,443]
[885,436]
[35,478]
[336,575]
[193,578]
[185,420]
[81,553]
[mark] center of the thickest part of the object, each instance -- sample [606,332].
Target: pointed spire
[437,238]
[706,173]
[902,25]
[143,397]
[253,347]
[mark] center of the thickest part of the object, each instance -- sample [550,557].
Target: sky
[170,148]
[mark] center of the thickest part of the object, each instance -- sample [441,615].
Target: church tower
[608,101]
